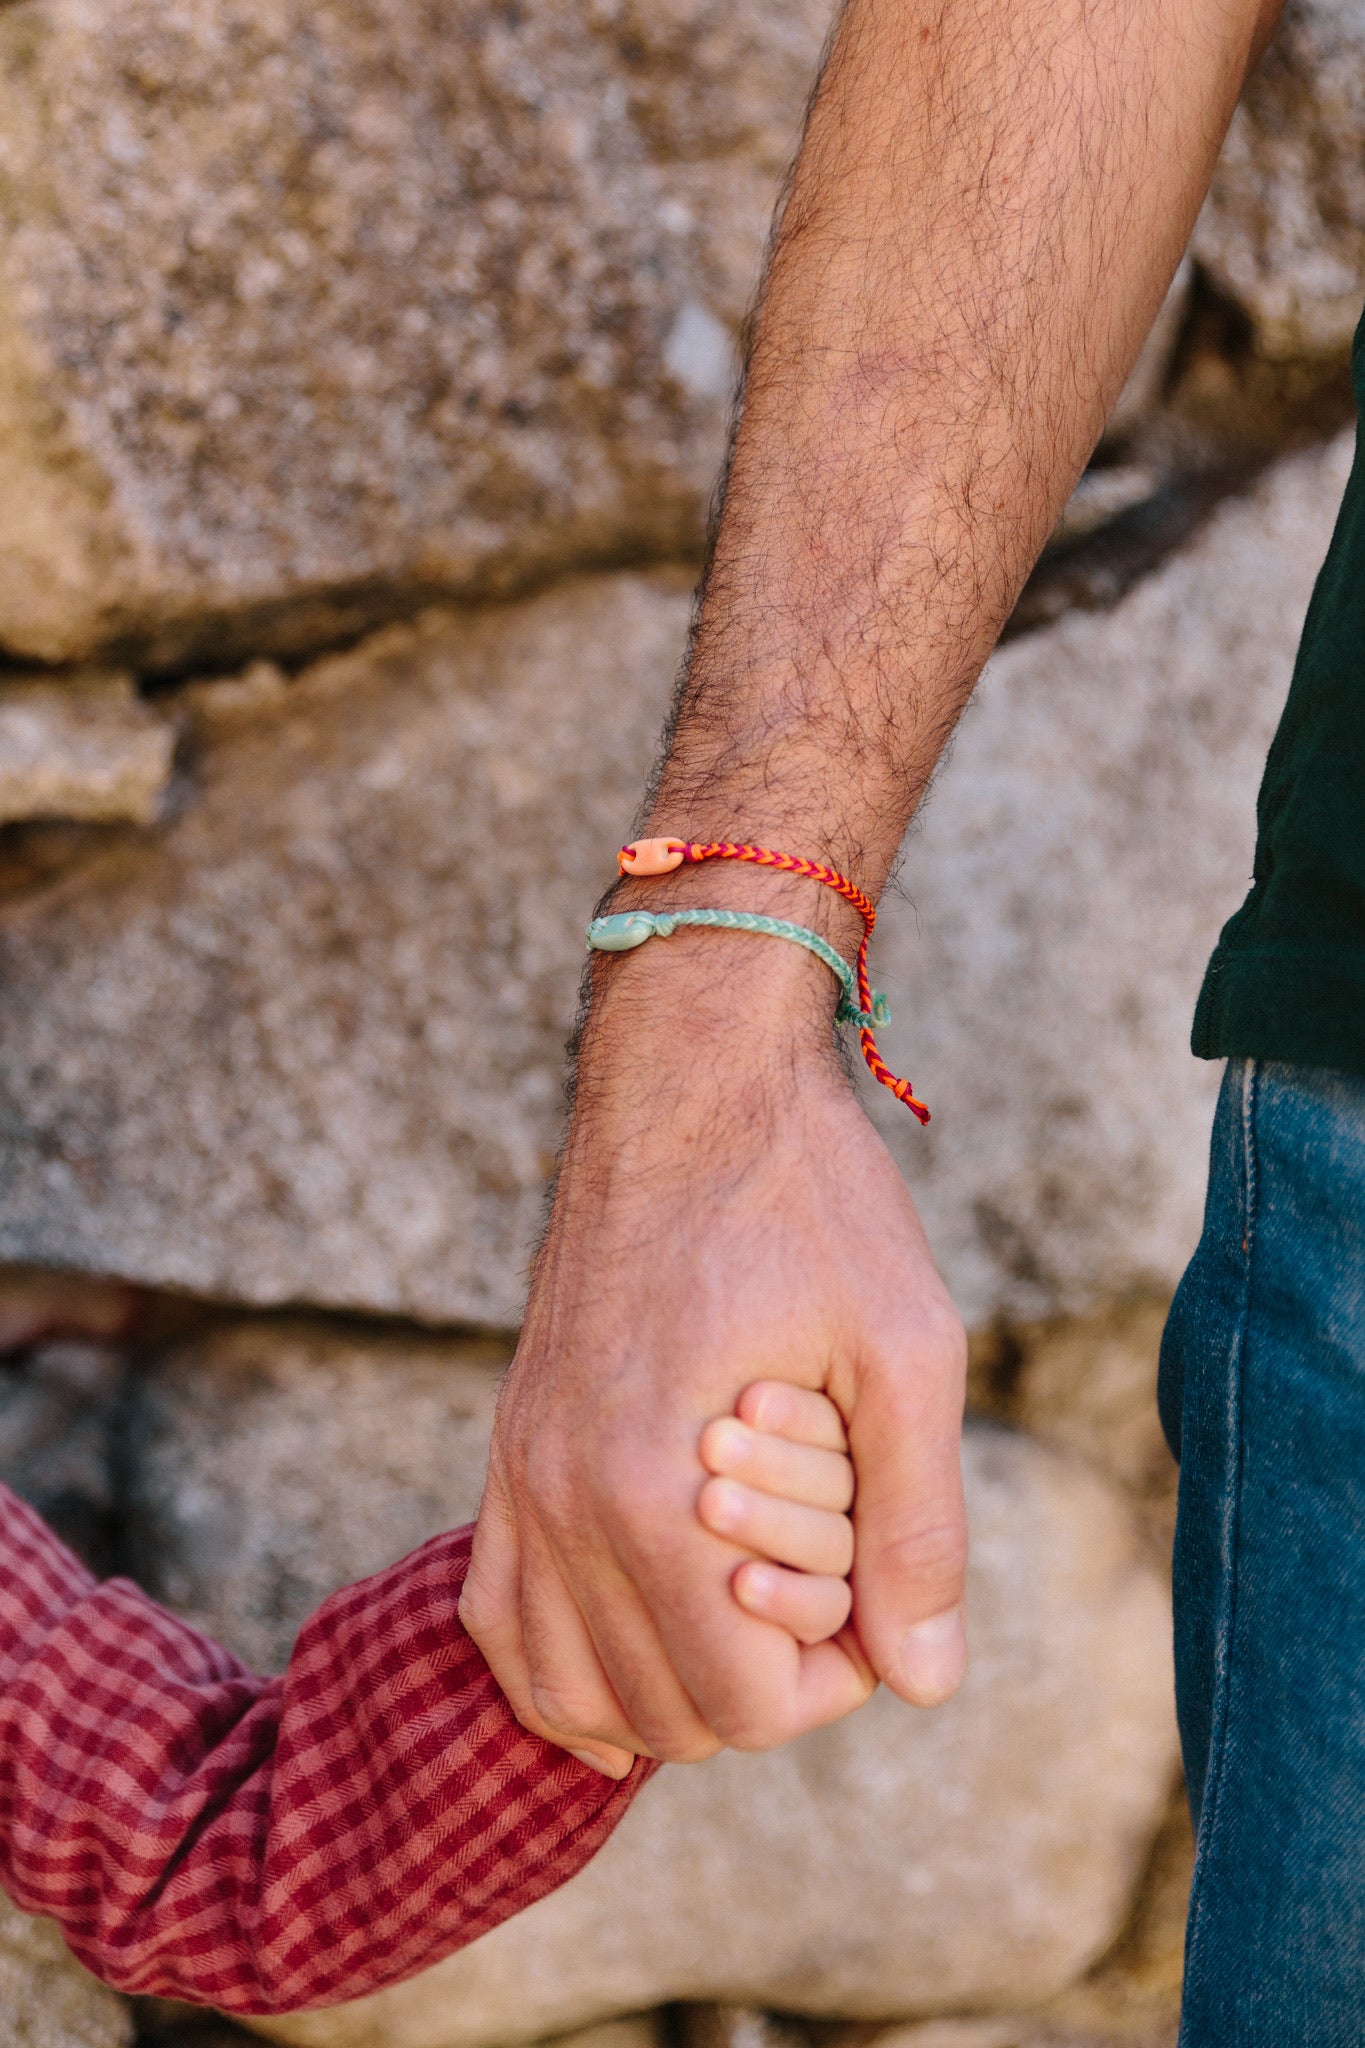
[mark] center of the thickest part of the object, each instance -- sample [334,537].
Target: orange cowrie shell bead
[651,856]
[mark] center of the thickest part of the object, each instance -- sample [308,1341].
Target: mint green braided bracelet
[627,929]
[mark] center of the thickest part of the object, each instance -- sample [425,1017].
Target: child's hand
[782,1488]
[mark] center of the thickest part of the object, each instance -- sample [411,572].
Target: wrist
[664,871]
[684,1028]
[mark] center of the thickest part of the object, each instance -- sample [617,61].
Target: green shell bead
[622,932]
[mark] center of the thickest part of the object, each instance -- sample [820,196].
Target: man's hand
[726,1213]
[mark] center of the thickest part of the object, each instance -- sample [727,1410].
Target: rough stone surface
[968,2033]
[1131,1999]
[1142,391]
[1283,229]
[309,306]
[349,1014]
[635,2030]
[1103,495]
[273,1461]
[163,2024]
[85,750]
[59,1410]
[46,1999]
[737,2026]
[167,2023]
[35,1304]
[193,2030]
[1020,2030]
[348,968]
[1085,841]
[898,1863]
[309,309]
[1087,1385]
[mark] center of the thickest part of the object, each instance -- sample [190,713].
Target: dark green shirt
[1287,981]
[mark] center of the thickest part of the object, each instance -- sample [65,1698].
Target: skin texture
[989,202]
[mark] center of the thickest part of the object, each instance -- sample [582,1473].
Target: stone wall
[363,376]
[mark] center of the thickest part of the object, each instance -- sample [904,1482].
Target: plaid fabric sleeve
[265,1845]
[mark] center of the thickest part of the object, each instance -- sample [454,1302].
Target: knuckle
[843,1548]
[751,1732]
[825,1610]
[753,1717]
[934,1345]
[929,1554]
[672,1748]
[475,1610]
[567,1710]
[841,1482]
[484,1611]
[946,1331]
[840,1607]
[546,1478]
[642,1516]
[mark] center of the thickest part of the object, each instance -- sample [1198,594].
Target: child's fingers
[822,1479]
[808,1539]
[810,1606]
[797,1413]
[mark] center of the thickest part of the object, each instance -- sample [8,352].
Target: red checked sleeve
[264,1845]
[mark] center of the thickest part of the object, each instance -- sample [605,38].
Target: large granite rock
[736,2026]
[1087,1386]
[309,308]
[899,1863]
[1283,230]
[61,1392]
[302,1041]
[85,750]
[36,1304]
[46,1999]
[272,1461]
[59,1418]
[1130,1999]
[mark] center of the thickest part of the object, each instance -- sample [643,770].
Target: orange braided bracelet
[661,856]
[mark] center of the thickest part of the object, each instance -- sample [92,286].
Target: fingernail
[598,1763]
[932,1658]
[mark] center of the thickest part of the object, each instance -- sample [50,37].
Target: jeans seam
[1232,1536]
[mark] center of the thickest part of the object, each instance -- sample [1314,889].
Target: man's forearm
[989,203]
[990,199]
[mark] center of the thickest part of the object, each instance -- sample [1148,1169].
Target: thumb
[910,1521]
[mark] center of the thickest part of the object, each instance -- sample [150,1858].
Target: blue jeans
[1263,1401]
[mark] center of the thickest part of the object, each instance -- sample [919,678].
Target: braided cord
[630,928]
[786,864]
[867,1009]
